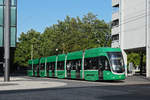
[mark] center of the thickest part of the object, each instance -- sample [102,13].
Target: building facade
[13,30]
[129,23]
[115,24]
[131,26]
[13,23]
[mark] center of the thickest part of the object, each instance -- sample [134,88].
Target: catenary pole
[6,40]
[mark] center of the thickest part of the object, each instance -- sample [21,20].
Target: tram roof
[94,52]
[30,61]
[104,49]
[51,59]
[35,61]
[42,60]
[61,57]
[75,55]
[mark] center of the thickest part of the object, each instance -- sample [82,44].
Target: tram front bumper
[107,75]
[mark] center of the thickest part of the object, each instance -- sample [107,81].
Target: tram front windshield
[116,61]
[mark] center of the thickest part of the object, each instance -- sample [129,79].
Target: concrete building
[115,23]
[13,29]
[131,26]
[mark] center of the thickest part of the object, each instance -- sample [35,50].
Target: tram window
[60,65]
[69,65]
[34,67]
[74,64]
[103,63]
[42,66]
[30,67]
[91,63]
[37,67]
[51,66]
[78,65]
[48,66]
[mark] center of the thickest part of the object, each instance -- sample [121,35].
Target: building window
[115,9]
[13,36]
[115,37]
[1,2]
[115,23]
[1,36]
[13,16]
[13,22]
[117,5]
[1,15]
[13,2]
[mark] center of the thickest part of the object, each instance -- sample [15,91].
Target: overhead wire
[143,15]
[135,18]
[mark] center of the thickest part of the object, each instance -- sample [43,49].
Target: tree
[134,58]
[23,50]
[69,35]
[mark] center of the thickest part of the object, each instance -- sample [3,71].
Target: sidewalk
[22,83]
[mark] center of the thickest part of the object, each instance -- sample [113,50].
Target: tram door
[68,68]
[38,70]
[34,68]
[78,74]
[78,68]
[102,63]
[53,69]
[47,69]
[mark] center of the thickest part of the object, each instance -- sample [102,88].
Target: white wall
[133,24]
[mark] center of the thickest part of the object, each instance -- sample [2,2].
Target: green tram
[92,64]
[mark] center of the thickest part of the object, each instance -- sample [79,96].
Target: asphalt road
[82,90]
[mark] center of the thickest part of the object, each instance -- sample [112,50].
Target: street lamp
[56,49]
[56,61]
[32,52]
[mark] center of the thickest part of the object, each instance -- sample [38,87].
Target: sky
[39,14]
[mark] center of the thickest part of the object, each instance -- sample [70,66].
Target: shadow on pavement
[132,92]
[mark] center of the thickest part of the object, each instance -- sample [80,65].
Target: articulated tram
[92,64]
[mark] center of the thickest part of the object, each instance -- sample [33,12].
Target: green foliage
[69,35]
[135,59]
[23,50]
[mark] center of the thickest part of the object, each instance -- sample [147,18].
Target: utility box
[13,23]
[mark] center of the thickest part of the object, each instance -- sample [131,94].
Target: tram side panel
[97,66]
